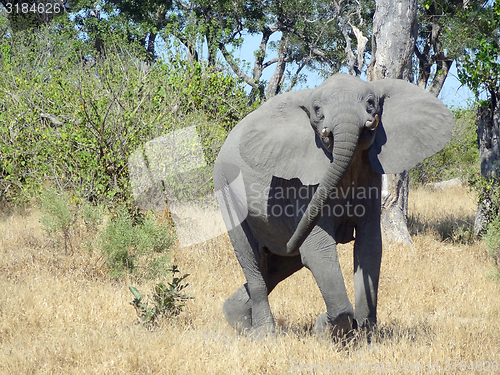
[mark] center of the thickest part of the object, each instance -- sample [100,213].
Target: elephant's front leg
[319,254]
[367,260]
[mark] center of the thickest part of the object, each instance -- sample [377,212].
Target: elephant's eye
[318,111]
[370,105]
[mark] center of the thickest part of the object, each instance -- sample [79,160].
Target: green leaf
[136,293]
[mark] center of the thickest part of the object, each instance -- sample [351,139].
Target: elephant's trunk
[345,138]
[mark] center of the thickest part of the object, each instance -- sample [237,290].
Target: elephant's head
[400,123]
[344,108]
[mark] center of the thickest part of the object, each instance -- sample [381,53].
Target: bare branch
[351,59]
[276,80]
[443,68]
[295,78]
[362,40]
[270,62]
[261,54]
[236,69]
[53,119]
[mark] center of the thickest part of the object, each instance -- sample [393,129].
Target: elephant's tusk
[326,132]
[372,124]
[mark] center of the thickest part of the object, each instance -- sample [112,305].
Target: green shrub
[154,237]
[126,243]
[67,115]
[119,242]
[58,216]
[92,216]
[65,216]
[167,300]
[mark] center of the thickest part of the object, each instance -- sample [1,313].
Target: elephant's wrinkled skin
[303,173]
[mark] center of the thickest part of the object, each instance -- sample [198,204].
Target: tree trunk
[274,85]
[394,35]
[488,139]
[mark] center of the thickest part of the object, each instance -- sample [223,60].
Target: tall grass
[62,313]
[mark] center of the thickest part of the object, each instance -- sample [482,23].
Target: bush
[167,300]
[58,216]
[126,243]
[69,116]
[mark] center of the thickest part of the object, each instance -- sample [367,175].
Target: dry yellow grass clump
[61,313]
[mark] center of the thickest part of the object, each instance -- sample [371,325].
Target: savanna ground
[62,314]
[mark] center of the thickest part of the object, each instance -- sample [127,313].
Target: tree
[433,19]
[150,15]
[479,69]
[394,36]
[315,35]
[433,54]
[310,35]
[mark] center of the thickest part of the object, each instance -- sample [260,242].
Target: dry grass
[447,214]
[61,314]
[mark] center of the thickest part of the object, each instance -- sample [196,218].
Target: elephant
[303,173]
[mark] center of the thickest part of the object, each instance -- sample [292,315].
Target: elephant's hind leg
[247,310]
[238,310]
[251,299]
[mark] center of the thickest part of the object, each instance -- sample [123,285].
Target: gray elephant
[303,173]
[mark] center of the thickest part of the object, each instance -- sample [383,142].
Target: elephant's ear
[278,140]
[414,125]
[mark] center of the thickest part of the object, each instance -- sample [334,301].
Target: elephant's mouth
[327,139]
[372,125]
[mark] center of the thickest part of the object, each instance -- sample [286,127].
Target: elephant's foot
[367,324]
[339,328]
[238,310]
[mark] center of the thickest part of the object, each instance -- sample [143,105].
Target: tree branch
[236,69]
[351,59]
[294,79]
[269,63]
[258,66]
[362,40]
[276,80]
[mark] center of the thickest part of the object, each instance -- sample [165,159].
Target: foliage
[478,33]
[459,158]
[167,300]
[58,217]
[65,216]
[126,244]
[311,34]
[76,119]
[481,71]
